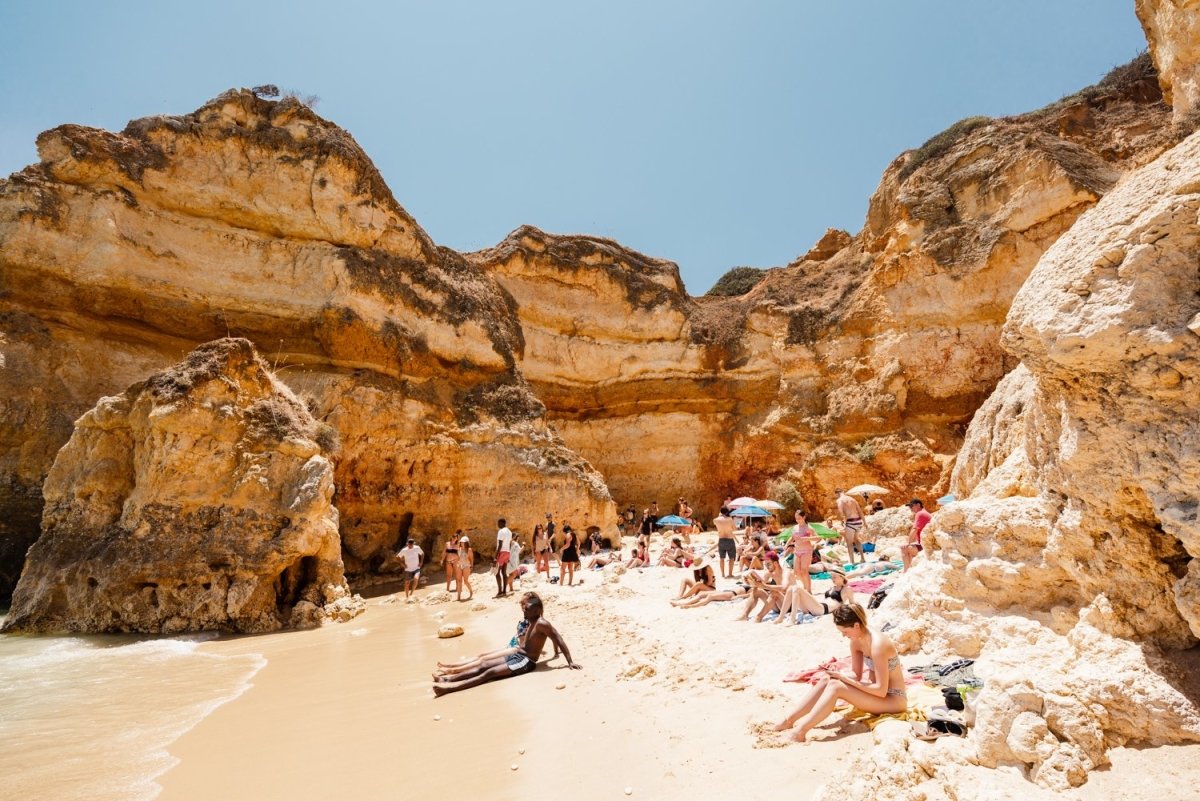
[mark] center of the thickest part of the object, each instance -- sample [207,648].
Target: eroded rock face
[1173,30]
[862,361]
[260,219]
[198,499]
[1069,570]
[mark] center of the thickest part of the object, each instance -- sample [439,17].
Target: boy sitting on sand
[523,659]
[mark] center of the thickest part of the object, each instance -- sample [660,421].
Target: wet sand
[671,703]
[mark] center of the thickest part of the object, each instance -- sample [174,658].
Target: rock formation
[462,386]
[260,219]
[1069,570]
[199,499]
[863,360]
[1172,28]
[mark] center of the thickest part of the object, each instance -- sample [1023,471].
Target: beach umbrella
[673,520]
[750,511]
[824,531]
[867,489]
[745,500]
[774,506]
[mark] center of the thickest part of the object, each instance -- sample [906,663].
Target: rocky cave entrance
[293,581]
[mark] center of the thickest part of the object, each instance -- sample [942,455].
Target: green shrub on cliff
[737,281]
[941,143]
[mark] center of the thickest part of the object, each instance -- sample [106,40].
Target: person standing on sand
[503,541]
[466,561]
[852,516]
[568,557]
[450,562]
[412,557]
[522,660]
[654,515]
[726,544]
[541,551]
[883,694]
[921,518]
[805,540]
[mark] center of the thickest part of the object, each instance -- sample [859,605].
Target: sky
[713,134]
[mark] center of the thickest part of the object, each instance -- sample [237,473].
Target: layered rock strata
[260,219]
[198,499]
[863,360]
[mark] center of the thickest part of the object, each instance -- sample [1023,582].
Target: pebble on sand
[628,791]
[520,750]
[514,766]
[437,717]
[562,685]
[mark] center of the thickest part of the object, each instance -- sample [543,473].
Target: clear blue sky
[711,134]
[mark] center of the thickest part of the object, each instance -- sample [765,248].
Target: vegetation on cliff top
[737,281]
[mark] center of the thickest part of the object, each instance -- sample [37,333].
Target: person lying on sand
[522,660]
[797,599]
[604,559]
[705,598]
[883,694]
[870,568]
[454,669]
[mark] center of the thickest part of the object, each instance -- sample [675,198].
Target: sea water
[92,717]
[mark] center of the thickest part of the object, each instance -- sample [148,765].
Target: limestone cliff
[198,499]
[864,360]
[1172,29]
[1070,569]
[120,252]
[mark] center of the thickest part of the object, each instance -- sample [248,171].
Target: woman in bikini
[704,598]
[466,561]
[703,580]
[882,694]
[797,599]
[805,540]
[450,562]
[541,550]
[673,555]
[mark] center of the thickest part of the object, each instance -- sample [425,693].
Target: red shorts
[502,558]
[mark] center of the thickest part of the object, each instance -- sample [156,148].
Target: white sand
[672,703]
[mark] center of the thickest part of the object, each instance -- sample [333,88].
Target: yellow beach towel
[921,700]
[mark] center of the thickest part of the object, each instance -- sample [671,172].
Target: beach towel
[921,701]
[866,586]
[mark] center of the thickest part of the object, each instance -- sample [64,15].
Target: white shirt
[503,539]
[412,557]
[515,551]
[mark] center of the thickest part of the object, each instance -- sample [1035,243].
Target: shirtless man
[522,660]
[852,515]
[726,544]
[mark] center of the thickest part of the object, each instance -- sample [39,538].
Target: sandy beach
[670,703]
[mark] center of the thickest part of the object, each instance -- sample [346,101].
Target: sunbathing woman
[640,558]
[767,589]
[673,555]
[705,598]
[797,599]
[884,692]
[604,559]
[703,580]
[870,568]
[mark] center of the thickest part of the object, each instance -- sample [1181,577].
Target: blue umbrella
[750,511]
[673,520]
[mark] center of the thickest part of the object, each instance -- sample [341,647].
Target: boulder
[199,499]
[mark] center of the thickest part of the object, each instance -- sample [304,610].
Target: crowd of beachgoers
[768,570]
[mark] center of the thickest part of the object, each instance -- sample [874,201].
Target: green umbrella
[824,531]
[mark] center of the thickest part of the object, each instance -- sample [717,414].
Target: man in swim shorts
[503,541]
[413,557]
[852,515]
[726,544]
[522,660]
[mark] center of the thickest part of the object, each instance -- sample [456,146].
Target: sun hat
[464,538]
